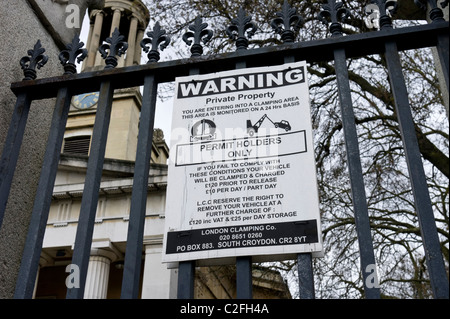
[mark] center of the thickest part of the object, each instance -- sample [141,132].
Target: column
[102,254]
[94,38]
[138,49]
[158,281]
[97,278]
[116,24]
[131,41]
[91,31]
[88,44]
[115,20]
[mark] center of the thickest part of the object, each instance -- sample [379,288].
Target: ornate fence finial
[287,19]
[200,34]
[383,9]
[236,31]
[436,13]
[74,51]
[335,13]
[156,38]
[115,46]
[35,59]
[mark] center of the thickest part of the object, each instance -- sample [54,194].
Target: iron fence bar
[11,148]
[305,276]
[39,216]
[35,58]
[366,250]
[135,237]
[244,285]
[198,33]
[433,254]
[186,269]
[186,276]
[89,200]
[304,260]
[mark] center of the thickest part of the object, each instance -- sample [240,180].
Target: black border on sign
[207,239]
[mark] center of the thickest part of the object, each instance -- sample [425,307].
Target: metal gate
[337,48]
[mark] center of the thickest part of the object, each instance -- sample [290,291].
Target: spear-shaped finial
[335,13]
[199,33]
[156,37]
[386,8]
[436,13]
[287,22]
[35,58]
[115,45]
[241,25]
[73,51]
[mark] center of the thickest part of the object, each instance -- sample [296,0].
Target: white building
[110,233]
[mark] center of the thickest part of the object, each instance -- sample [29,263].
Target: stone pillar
[115,20]
[98,271]
[138,50]
[97,278]
[116,24]
[94,38]
[88,43]
[131,41]
[158,282]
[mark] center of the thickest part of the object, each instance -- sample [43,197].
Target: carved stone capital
[104,248]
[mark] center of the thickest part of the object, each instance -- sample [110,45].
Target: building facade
[110,233]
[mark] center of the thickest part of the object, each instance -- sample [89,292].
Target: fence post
[305,276]
[362,221]
[85,228]
[11,148]
[432,248]
[332,14]
[289,19]
[237,31]
[30,261]
[115,46]
[430,238]
[186,269]
[135,236]
[32,251]
[14,138]
[186,276]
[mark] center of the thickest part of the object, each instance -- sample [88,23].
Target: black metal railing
[337,48]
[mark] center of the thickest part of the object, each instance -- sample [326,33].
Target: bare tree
[395,230]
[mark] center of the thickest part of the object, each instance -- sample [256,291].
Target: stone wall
[20,28]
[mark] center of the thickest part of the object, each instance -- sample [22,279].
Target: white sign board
[242,176]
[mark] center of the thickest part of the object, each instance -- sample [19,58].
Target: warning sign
[242,178]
